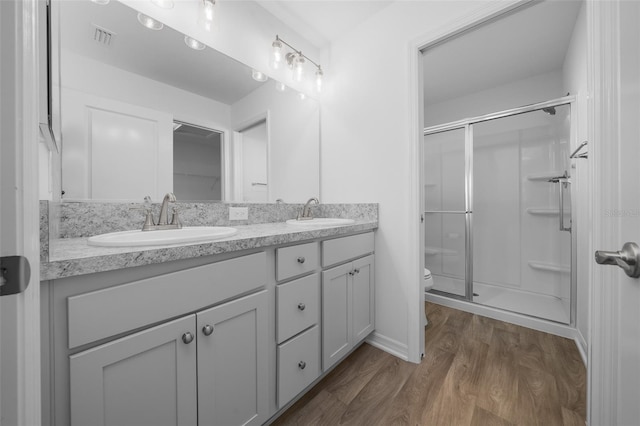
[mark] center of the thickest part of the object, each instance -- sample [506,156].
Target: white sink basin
[188,234]
[321,221]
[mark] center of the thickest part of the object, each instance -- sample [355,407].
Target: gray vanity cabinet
[209,368]
[233,363]
[147,378]
[347,295]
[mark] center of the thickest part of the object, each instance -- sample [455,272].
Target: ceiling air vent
[103,36]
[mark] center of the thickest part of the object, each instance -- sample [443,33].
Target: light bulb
[319,76]
[298,70]
[193,43]
[149,22]
[258,75]
[280,87]
[208,6]
[276,58]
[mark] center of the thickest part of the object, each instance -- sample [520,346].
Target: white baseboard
[389,345]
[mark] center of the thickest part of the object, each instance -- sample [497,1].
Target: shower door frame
[467,125]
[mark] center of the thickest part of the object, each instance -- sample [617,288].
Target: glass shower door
[446,215]
[521,206]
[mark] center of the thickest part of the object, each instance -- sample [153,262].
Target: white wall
[100,79]
[368,152]
[538,88]
[575,82]
[294,140]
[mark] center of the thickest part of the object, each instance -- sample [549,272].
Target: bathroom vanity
[224,333]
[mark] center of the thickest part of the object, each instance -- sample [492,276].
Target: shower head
[549,110]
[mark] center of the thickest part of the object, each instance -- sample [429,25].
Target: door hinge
[15,274]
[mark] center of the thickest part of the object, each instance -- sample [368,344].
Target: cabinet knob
[302,365]
[187,337]
[352,273]
[301,259]
[207,330]
[301,306]
[356,271]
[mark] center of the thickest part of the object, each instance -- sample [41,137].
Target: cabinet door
[148,378]
[233,363]
[363,302]
[336,330]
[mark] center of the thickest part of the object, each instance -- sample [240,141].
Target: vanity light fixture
[149,22]
[193,43]
[258,75]
[295,60]
[163,4]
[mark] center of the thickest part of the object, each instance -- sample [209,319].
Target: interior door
[116,150]
[615,297]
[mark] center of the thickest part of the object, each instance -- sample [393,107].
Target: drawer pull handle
[302,365]
[301,259]
[187,338]
[301,306]
[207,330]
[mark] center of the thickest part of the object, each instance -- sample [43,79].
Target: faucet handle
[175,220]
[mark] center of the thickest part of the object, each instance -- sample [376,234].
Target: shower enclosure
[497,210]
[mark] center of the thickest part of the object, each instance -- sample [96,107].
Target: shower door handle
[563,185]
[628,259]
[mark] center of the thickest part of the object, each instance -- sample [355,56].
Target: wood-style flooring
[476,371]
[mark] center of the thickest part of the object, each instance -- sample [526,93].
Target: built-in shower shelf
[551,267]
[543,212]
[543,176]
[432,251]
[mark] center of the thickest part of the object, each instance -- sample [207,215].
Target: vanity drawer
[296,260]
[298,306]
[346,248]
[298,364]
[109,312]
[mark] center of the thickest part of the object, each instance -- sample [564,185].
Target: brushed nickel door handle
[628,259]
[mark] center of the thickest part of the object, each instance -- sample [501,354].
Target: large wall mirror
[147,111]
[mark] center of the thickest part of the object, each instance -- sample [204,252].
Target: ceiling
[532,41]
[321,22]
[159,55]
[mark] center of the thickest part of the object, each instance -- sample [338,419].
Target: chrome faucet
[168,198]
[305,213]
[163,220]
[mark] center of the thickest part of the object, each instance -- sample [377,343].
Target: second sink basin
[321,221]
[188,234]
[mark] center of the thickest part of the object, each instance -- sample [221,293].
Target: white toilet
[428,285]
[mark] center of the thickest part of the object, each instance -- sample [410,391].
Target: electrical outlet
[238,213]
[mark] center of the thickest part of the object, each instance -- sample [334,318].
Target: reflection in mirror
[123,86]
[197,162]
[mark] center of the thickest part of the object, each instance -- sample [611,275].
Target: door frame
[20,386]
[604,140]
[415,297]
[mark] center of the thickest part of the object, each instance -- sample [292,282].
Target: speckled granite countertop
[73,256]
